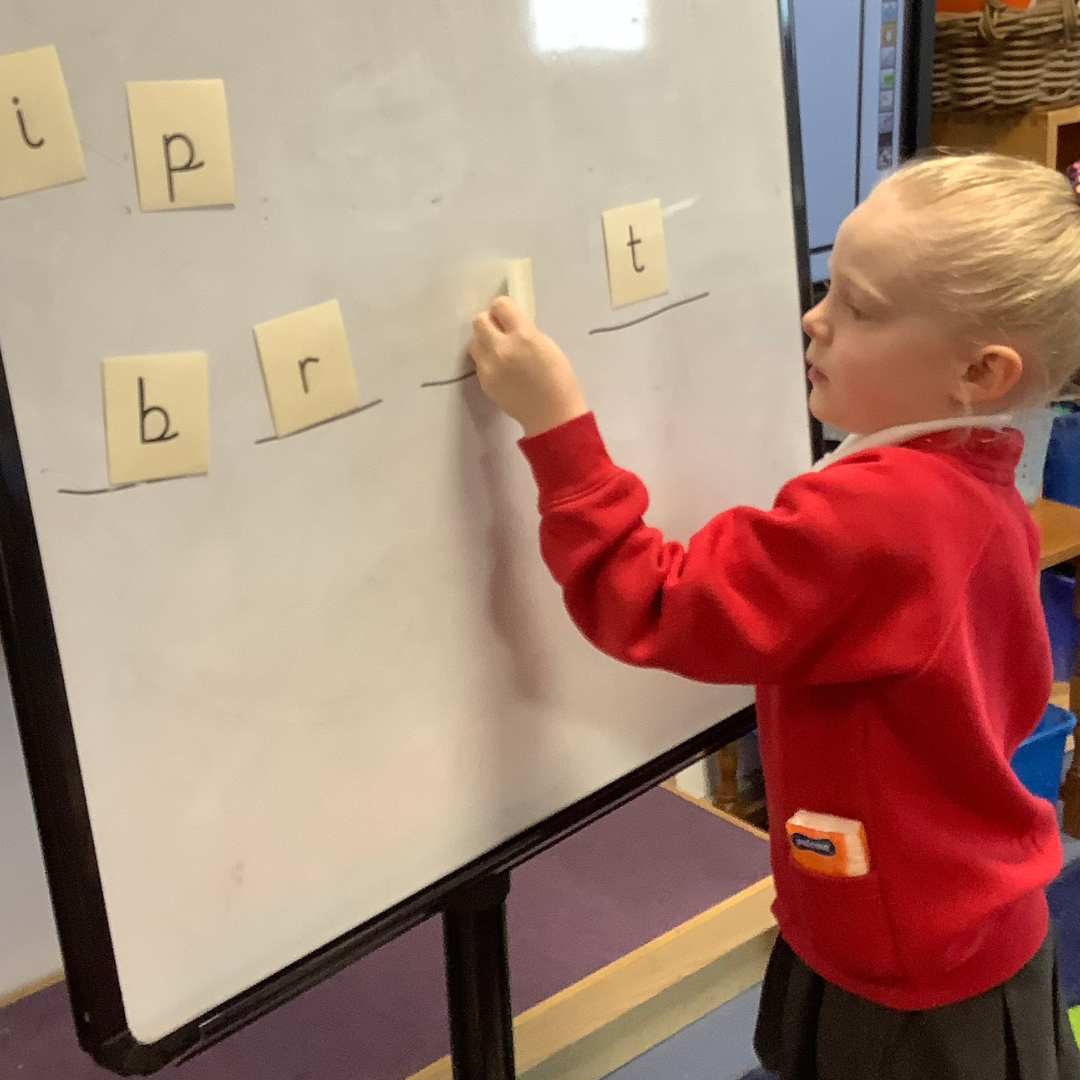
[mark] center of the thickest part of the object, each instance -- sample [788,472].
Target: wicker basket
[1005,59]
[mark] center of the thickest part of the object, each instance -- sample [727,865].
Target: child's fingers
[507,316]
[485,333]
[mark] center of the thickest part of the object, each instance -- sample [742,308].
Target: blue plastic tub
[1041,756]
[1061,480]
[1058,593]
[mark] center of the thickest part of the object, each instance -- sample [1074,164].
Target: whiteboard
[334,670]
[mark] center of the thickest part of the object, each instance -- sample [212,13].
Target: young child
[887,609]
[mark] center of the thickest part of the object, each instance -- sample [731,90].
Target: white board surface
[317,680]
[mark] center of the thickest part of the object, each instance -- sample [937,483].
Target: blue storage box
[1058,592]
[1061,479]
[1041,756]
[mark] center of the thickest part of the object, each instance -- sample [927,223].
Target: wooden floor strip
[31,988]
[705,804]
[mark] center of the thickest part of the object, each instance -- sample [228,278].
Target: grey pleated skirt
[809,1029]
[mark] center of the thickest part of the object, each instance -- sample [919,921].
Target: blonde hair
[997,242]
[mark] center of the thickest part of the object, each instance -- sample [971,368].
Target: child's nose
[815,325]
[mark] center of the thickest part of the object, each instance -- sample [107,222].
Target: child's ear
[991,375]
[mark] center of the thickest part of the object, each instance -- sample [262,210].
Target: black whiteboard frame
[51,756]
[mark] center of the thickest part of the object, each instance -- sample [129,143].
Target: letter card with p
[183,149]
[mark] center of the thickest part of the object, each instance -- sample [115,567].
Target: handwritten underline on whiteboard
[125,487]
[448,382]
[651,315]
[321,423]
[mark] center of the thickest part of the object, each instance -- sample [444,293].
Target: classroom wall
[28,946]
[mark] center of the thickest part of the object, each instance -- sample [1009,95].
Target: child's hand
[522,370]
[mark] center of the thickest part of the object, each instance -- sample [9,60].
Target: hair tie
[1072,174]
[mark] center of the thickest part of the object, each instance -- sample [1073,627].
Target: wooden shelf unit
[1048,136]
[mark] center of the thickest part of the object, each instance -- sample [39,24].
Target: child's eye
[857,313]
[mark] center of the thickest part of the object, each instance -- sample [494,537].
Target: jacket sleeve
[803,592]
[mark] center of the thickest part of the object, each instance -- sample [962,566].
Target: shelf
[1059,526]
[1050,136]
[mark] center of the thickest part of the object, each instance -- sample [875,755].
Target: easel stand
[478,981]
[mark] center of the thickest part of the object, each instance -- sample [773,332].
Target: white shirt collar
[896,436]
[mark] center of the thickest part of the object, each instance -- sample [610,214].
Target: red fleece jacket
[887,608]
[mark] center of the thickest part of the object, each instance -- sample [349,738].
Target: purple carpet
[629,878]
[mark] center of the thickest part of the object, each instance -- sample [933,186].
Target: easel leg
[478,981]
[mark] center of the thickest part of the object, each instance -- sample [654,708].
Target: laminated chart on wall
[852,99]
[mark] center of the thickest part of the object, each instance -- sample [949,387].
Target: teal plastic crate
[1041,756]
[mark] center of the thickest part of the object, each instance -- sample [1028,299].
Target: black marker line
[448,382]
[634,241]
[651,315]
[320,423]
[126,487]
[303,371]
[191,165]
[95,491]
[34,144]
